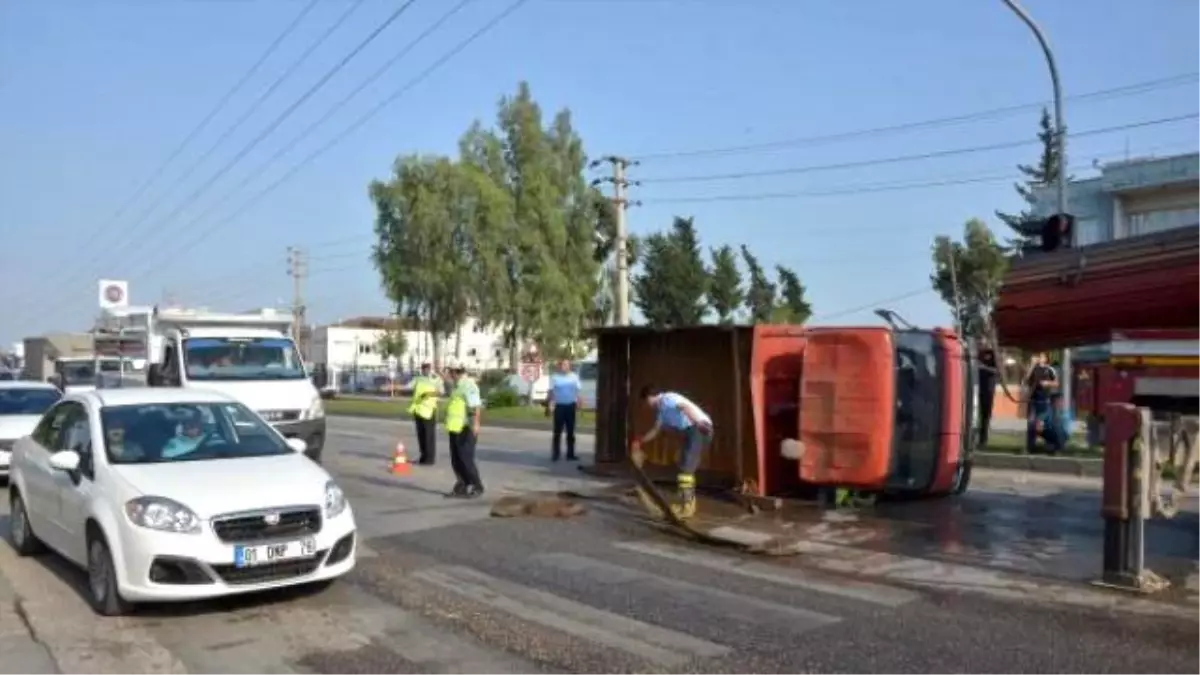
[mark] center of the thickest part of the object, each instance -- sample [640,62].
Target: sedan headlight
[316,410]
[160,513]
[335,500]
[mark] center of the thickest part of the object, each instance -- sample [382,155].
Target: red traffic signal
[1057,231]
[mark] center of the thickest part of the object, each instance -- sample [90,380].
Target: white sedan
[22,404]
[169,494]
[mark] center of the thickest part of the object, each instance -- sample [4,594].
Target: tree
[673,284]
[537,266]
[425,250]
[725,294]
[760,294]
[978,263]
[1037,176]
[393,344]
[791,307]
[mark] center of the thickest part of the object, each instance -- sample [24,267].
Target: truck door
[846,407]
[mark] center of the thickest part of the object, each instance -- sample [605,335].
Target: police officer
[427,389]
[463,411]
[564,399]
[676,413]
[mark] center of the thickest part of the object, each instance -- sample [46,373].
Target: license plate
[265,554]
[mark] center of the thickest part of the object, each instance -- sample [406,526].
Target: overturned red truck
[871,408]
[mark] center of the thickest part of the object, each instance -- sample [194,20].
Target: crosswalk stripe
[608,573]
[878,594]
[642,640]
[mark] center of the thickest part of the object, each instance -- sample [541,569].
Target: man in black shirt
[986,379]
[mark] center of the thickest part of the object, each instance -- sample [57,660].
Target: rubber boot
[686,508]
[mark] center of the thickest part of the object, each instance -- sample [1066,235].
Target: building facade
[1129,198]
[353,345]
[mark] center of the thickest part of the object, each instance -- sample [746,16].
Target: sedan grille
[279,571]
[285,523]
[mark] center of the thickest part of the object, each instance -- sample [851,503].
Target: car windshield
[31,401]
[186,432]
[231,359]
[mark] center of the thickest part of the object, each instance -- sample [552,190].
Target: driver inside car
[191,434]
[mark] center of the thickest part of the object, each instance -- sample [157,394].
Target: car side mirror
[65,460]
[297,444]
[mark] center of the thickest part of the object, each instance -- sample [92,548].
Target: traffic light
[1057,231]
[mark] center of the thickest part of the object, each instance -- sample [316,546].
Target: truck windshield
[917,438]
[235,359]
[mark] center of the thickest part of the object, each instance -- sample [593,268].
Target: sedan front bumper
[164,566]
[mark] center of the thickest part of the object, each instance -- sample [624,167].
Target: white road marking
[652,643]
[704,596]
[878,594]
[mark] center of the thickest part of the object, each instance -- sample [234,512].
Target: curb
[520,425]
[1069,466]
[23,652]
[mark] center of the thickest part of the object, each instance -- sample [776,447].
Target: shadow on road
[75,578]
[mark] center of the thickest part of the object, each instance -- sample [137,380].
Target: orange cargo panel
[847,409]
[776,363]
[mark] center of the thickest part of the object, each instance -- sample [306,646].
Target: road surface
[443,587]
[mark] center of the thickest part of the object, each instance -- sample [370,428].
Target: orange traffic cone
[400,465]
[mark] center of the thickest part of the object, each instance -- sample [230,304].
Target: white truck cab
[251,357]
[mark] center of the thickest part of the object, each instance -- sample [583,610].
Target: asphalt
[442,587]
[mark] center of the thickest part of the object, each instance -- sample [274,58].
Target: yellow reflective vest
[425,408]
[456,408]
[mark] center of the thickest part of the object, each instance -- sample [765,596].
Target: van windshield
[917,438]
[83,372]
[235,359]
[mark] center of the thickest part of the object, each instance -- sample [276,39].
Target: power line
[130,237]
[345,133]
[872,305]
[893,186]
[203,124]
[908,158]
[254,107]
[289,110]
[307,131]
[994,113]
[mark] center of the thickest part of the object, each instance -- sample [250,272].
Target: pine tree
[1045,173]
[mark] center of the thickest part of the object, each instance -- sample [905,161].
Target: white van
[250,357]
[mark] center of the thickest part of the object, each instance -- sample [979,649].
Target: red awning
[1080,296]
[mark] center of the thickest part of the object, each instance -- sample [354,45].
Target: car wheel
[24,541]
[103,594]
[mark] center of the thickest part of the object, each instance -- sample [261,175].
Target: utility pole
[1060,131]
[620,204]
[297,269]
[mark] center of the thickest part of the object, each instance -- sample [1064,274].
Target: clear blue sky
[97,93]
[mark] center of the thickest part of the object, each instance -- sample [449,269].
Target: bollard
[1128,463]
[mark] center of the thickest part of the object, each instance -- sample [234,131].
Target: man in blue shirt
[676,413]
[564,399]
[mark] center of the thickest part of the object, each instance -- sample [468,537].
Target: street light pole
[1061,137]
